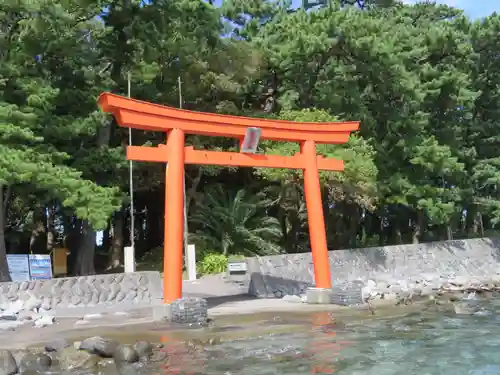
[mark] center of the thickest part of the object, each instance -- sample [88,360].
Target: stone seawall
[429,265]
[86,291]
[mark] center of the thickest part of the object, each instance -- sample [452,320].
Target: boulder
[44,321]
[143,348]
[8,317]
[14,308]
[125,354]
[100,346]
[159,355]
[7,325]
[56,345]
[8,365]
[32,362]
[69,358]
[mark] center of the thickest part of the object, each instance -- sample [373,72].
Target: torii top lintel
[137,114]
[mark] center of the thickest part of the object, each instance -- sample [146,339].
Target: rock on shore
[423,287]
[8,365]
[18,313]
[92,354]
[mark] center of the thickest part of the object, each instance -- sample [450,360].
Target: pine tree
[30,156]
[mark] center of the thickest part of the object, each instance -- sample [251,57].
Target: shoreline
[241,311]
[110,345]
[242,316]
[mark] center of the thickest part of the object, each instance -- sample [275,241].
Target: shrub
[212,263]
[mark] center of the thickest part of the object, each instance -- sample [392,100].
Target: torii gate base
[146,116]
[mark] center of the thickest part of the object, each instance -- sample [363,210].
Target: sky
[473,8]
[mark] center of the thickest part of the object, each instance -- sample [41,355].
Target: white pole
[191,262]
[129,258]
[179,82]
[186,253]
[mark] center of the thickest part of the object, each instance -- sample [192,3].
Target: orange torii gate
[137,114]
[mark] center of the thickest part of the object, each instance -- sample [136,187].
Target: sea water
[423,343]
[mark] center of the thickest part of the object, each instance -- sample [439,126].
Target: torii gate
[137,114]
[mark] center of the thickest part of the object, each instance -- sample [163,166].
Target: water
[422,343]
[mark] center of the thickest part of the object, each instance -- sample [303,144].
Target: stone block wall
[433,263]
[85,291]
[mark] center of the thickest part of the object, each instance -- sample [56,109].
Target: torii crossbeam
[177,123]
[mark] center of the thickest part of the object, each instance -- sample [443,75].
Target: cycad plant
[235,223]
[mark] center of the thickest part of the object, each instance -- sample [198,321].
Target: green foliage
[212,264]
[359,178]
[235,223]
[29,152]
[422,80]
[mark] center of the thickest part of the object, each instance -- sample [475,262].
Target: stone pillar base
[162,312]
[184,310]
[319,296]
[349,293]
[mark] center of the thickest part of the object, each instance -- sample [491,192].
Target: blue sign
[40,267]
[19,267]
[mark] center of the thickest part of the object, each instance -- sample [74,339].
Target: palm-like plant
[236,223]
[292,214]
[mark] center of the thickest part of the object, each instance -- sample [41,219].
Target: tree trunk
[191,192]
[281,214]
[86,250]
[471,222]
[106,237]
[380,229]
[38,239]
[395,229]
[481,224]
[4,267]
[449,233]
[292,239]
[354,221]
[154,217]
[51,235]
[140,242]
[71,239]
[418,233]
[117,242]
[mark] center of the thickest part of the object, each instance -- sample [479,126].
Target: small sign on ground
[237,267]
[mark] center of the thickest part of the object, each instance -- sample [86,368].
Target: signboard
[237,267]
[19,267]
[251,140]
[40,267]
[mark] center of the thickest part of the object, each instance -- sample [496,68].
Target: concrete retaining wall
[85,291]
[432,264]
